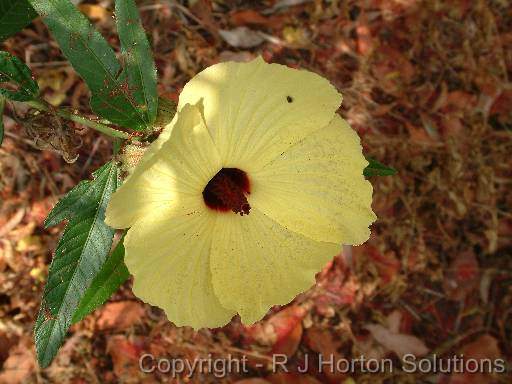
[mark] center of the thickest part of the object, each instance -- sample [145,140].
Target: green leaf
[138,58]
[79,256]
[108,280]
[2,105]
[95,61]
[376,168]
[14,16]
[165,113]
[15,72]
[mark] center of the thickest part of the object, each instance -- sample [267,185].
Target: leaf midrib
[139,69]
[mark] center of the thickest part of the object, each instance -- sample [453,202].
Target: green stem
[42,106]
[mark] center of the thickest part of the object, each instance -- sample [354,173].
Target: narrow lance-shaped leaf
[108,280]
[95,61]
[376,168]
[14,16]
[2,105]
[17,75]
[79,256]
[138,59]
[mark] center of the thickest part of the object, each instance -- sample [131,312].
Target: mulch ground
[426,85]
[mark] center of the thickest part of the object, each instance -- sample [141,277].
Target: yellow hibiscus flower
[246,194]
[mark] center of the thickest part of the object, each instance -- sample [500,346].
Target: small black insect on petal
[289,99]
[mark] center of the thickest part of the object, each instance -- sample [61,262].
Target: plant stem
[42,106]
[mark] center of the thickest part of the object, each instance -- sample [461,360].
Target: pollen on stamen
[227,190]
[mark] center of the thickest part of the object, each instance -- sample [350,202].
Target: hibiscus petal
[257,263]
[162,181]
[254,111]
[317,187]
[170,262]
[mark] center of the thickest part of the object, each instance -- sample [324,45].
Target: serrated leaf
[17,74]
[14,16]
[74,201]
[79,256]
[138,59]
[2,105]
[108,280]
[376,168]
[95,61]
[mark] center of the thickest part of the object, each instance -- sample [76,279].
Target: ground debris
[426,85]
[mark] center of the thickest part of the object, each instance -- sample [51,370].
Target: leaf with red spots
[95,61]
[139,64]
[80,254]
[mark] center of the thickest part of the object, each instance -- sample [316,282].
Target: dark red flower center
[227,190]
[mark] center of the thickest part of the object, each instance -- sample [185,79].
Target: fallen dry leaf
[501,105]
[252,381]
[94,11]
[387,263]
[287,326]
[40,209]
[322,341]
[288,344]
[364,37]
[484,347]
[240,57]
[462,276]
[277,327]
[241,37]
[20,364]
[203,10]
[13,221]
[451,126]
[7,341]
[393,341]
[282,4]
[125,353]
[292,378]
[460,100]
[393,321]
[247,16]
[120,315]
